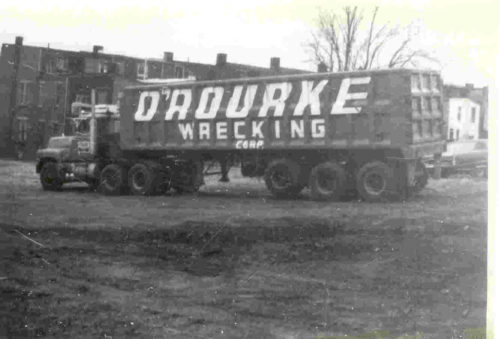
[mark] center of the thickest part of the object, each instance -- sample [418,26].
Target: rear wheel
[50,178]
[282,178]
[113,180]
[327,181]
[141,180]
[373,181]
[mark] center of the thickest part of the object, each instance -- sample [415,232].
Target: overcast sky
[462,33]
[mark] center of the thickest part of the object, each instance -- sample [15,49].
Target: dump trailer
[358,133]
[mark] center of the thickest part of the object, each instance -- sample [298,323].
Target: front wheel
[113,180]
[50,178]
[373,181]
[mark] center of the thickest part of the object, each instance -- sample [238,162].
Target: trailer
[362,133]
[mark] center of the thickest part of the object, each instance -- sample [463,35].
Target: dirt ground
[232,262]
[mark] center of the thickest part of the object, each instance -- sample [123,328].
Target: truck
[360,133]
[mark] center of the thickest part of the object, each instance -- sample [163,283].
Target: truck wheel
[373,181]
[282,178]
[327,181]
[113,180]
[50,178]
[141,180]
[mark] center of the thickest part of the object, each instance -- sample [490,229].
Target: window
[142,69]
[61,64]
[457,134]
[426,82]
[50,67]
[459,113]
[120,68]
[179,72]
[451,134]
[473,115]
[434,82]
[415,82]
[103,66]
[22,129]
[436,104]
[26,92]
[91,65]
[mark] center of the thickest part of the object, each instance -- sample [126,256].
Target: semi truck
[363,133]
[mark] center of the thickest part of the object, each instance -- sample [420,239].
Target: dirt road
[232,262]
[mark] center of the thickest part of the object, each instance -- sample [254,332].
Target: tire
[282,178]
[50,178]
[142,180]
[113,180]
[373,182]
[327,181]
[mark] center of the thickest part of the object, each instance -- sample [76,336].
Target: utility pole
[13,92]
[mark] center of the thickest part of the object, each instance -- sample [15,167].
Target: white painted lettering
[318,128]
[204,130]
[139,114]
[297,128]
[277,130]
[278,103]
[257,129]
[186,131]
[201,111]
[232,107]
[237,134]
[309,97]
[221,130]
[338,107]
[180,109]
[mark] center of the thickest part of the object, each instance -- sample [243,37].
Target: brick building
[39,85]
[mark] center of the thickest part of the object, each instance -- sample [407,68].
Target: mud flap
[403,173]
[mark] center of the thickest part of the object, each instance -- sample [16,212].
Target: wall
[460,119]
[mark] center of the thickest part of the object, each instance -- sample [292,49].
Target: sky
[463,34]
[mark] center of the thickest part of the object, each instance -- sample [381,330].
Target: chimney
[221,59]
[96,49]
[469,86]
[168,57]
[19,40]
[275,64]
[322,68]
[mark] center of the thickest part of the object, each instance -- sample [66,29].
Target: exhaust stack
[93,125]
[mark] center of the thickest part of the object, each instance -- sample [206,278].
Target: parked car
[463,156]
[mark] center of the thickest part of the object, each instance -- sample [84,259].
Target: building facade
[467,110]
[41,87]
[463,119]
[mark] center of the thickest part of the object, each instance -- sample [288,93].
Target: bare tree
[343,44]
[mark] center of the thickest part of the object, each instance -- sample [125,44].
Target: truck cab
[77,157]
